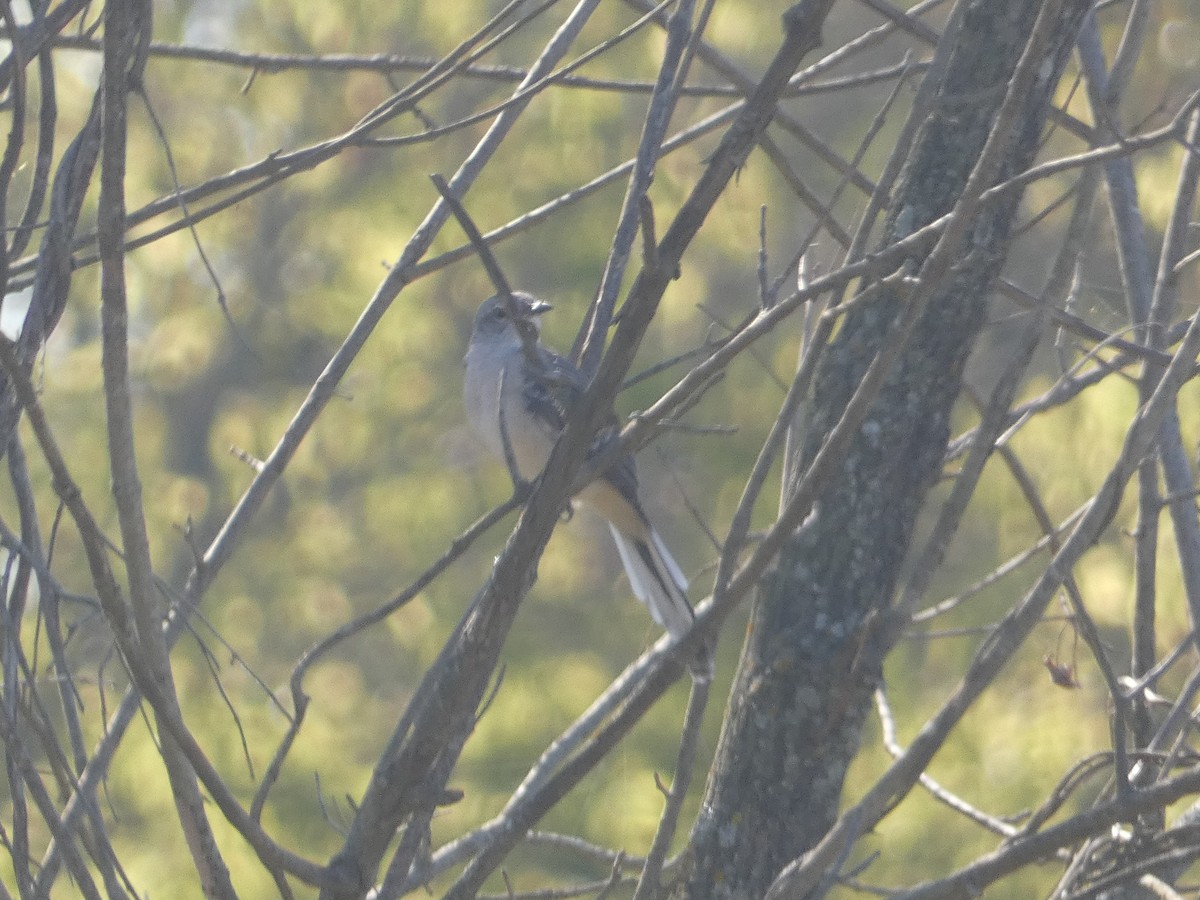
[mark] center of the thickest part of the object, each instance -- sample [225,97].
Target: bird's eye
[500,313]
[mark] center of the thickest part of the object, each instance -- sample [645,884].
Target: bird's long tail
[656,579]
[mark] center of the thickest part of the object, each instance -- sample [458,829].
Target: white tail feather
[656,580]
[665,557]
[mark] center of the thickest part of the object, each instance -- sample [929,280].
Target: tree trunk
[809,664]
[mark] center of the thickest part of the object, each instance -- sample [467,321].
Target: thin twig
[648,883]
[589,345]
[315,653]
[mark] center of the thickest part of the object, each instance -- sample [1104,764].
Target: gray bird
[536,400]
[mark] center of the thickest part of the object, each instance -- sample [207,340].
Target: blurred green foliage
[390,475]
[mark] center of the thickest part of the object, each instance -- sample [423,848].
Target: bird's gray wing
[552,391]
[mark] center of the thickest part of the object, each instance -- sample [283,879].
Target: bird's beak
[539,307]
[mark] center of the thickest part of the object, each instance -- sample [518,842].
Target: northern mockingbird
[503,389]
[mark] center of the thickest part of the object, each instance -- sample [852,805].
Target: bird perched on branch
[518,395]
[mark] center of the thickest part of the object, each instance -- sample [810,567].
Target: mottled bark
[811,663]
